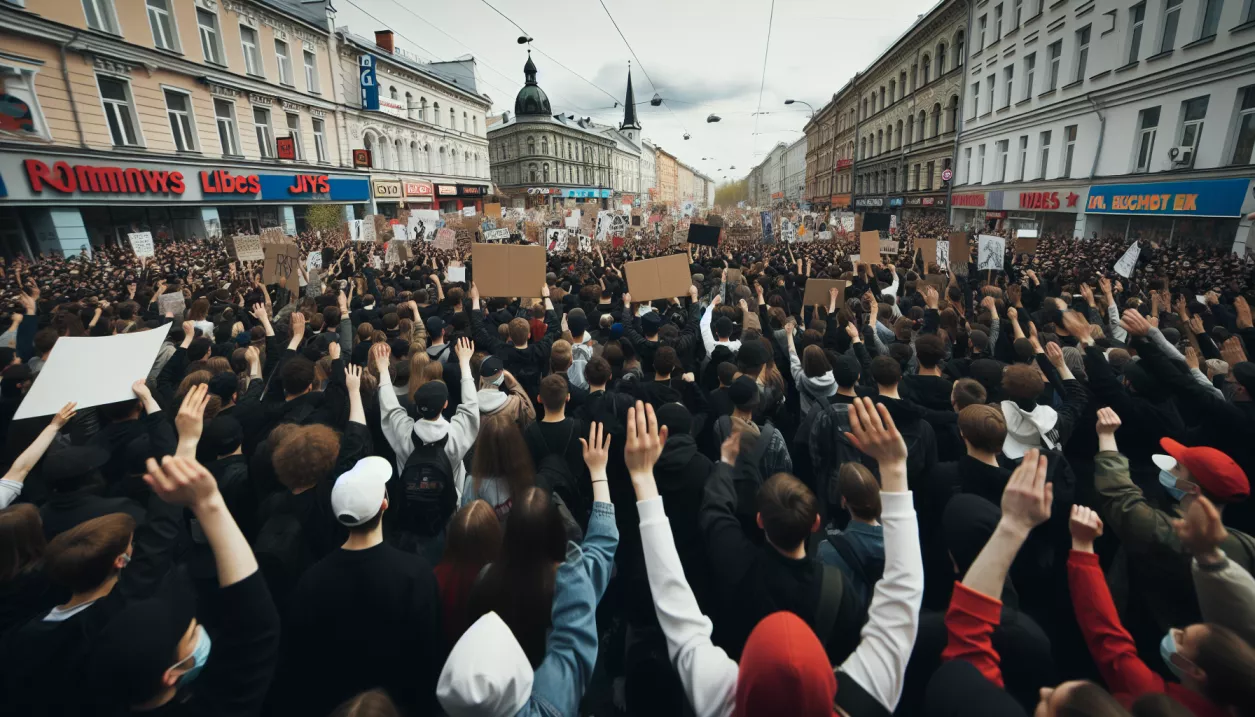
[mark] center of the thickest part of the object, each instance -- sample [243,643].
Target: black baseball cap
[430,399]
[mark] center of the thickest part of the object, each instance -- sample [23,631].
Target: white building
[1103,116]
[649,170]
[794,179]
[428,140]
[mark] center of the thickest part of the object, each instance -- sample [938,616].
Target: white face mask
[499,379]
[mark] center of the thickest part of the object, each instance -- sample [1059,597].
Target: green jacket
[1158,564]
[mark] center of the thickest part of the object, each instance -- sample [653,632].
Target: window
[100,15]
[1069,148]
[1023,156]
[1211,18]
[116,96]
[544,145]
[975,98]
[1030,65]
[475,131]
[915,185]
[311,71]
[1244,147]
[210,38]
[959,56]
[284,61]
[228,135]
[967,164]
[1016,13]
[928,175]
[320,141]
[1192,114]
[980,164]
[1171,18]
[1043,154]
[179,110]
[998,22]
[1147,128]
[452,119]
[1053,53]
[1082,52]
[545,170]
[252,53]
[928,66]
[981,24]
[161,20]
[265,135]
[294,129]
[1008,77]
[463,121]
[422,109]
[989,88]
[1003,152]
[435,109]
[1137,18]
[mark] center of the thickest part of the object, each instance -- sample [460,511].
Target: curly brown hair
[305,456]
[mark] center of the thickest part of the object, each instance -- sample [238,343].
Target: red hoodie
[784,670]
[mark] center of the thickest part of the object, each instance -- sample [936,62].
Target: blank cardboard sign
[929,249]
[1025,245]
[660,278]
[960,252]
[508,269]
[869,246]
[817,291]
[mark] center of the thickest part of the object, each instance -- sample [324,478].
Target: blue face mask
[1168,648]
[1169,482]
[199,656]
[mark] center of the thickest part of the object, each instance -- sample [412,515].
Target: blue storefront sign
[586,193]
[279,187]
[370,83]
[1199,198]
[896,201]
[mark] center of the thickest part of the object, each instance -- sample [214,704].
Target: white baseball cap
[360,491]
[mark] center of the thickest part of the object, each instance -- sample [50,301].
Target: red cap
[1217,473]
[784,671]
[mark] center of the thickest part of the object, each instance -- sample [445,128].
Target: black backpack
[282,553]
[553,474]
[430,496]
[829,449]
[866,574]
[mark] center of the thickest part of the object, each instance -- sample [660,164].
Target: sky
[701,56]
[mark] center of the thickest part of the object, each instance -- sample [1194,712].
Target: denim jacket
[571,652]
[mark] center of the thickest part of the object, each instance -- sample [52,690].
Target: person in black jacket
[525,360]
[921,441]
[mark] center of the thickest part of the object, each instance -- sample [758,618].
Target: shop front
[1048,209]
[388,196]
[455,197]
[1205,211]
[53,202]
[839,201]
[873,204]
[918,205]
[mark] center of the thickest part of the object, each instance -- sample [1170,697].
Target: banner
[423,224]
[497,234]
[446,238]
[248,248]
[768,238]
[142,243]
[1128,262]
[555,239]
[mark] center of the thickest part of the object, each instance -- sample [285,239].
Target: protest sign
[660,278]
[572,220]
[91,371]
[281,262]
[456,274]
[142,243]
[788,233]
[825,236]
[555,239]
[943,256]
[468,211]
[960,251]
[703,234]
[991,250]
[492,209]
[1025,245]
[423,224]
[586,243]
[274,235]
[869,246]
[928,251]
[938,282]
[818,291]
[889,246]
[496,234]
[400,232]
[765,219]
[172,303]
[508,270]
[390,255]
[313,261]
[1127,263]
[248,248]
[446,238]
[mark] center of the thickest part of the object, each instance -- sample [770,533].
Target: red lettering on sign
[1039,200]
[220,182]
[310,184]
[67,179]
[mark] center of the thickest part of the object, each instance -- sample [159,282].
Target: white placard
[825,236]
[573,219]
[456,274]
[368,228]
[856,258]
[847,223]
[423,224]
[788,232]
[172,303]
[586,243]
[142,243]
[355,229]
[1128,262]
[555,239]
[92,370]
[497,234]
[313,261]
[248,248]
[1026,234]
[991,250]
[468,211]
[605,225]
[943,255]
[376,262]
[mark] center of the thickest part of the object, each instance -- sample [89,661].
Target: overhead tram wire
[763,83]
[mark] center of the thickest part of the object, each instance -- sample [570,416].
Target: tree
[324,217]
[729,193]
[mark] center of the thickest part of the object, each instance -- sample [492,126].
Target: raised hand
[333,350]
[1244,312]
[190,420]
[140,389]
[464,350]
[259,313]
[298,323]
[181,481]
[1027,497]
[352,377]
[63,416]
[730,448]
[1055,355]
[1232,352]
[644,440]
[1201,531]
[1086,527]
[596,449]
[1108,421]
[380,354]
[1078,327]
[1191,357]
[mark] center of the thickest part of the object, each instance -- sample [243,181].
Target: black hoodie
[921,441]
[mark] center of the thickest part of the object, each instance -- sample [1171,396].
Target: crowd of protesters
[367,490]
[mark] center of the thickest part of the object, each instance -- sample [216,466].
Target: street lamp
[800,102]
[713,118]
[524,39]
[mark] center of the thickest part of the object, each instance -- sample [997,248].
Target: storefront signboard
[1197,198]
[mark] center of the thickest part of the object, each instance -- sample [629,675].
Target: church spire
[629,105]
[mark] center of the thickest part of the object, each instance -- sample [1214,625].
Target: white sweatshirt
[707,673]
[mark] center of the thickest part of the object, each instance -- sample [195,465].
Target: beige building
[668,168]
[184,118]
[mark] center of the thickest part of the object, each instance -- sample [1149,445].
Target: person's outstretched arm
[706,672]
[1226,591]
[879,662]
[13,481]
